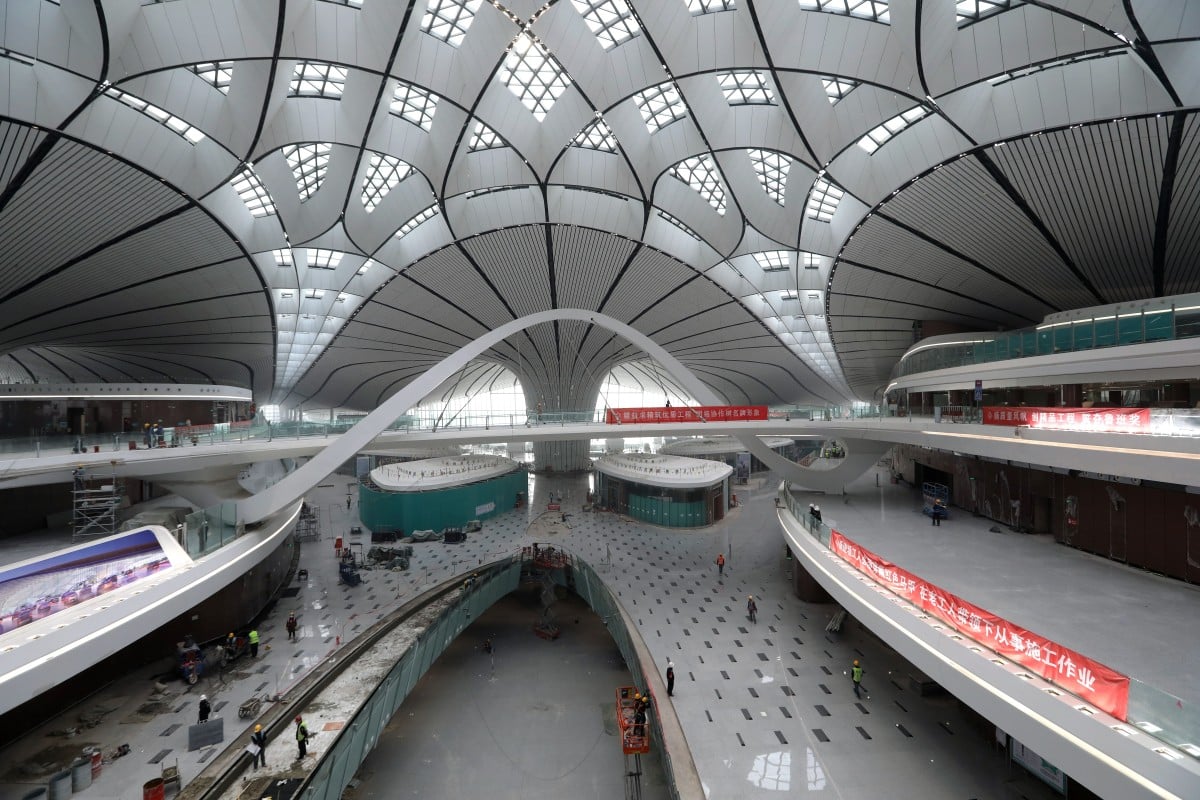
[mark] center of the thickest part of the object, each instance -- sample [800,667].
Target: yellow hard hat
[856,662]
[257,728]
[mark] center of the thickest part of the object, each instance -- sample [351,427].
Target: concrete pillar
[806,587]
[554,395]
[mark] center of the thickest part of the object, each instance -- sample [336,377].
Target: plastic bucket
[154,790]
[81,774]
[60,785]
[97,761]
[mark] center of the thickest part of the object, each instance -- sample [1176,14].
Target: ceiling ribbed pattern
[968,174]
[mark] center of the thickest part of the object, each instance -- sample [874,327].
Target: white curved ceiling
[320,199]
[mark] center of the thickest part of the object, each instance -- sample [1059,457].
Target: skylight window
[823,200]
[309,163]
[699,173]
[184,129]
[484,138]
[283,258]
[218,74]
[772,171]
[679,224]
[251,191]
[836,88]
[746,87]
[412,224]
[383,174]
[612,21]
[532,74]
[772,260]
[597,136]
[350,3]
[710,6]
[1005,77]
[324,259]
[660,106]
[318,79]
[874,10]
[414,104]
[970,11]
[366,267]
[876,137]
[810,260]
[449,20]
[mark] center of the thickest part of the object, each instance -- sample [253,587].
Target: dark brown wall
[1152,527]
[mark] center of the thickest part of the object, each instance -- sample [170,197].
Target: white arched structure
[860,454]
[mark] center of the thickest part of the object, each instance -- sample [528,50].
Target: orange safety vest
[721,560]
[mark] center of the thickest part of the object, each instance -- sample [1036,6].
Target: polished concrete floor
[535,720]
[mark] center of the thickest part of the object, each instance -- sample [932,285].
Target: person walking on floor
[254,643]
[205,708]
[752,609]
[291,627]
[670,678]
[259,740]
[856,673]
[720,565]
[301,737]
[816,512]
[937,512]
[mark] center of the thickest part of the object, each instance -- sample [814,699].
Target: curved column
[348,444]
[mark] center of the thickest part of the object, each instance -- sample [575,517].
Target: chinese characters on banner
[1102,687]
[1101,420]
[617,416]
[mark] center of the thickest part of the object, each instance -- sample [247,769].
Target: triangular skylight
[660,105]
[612,21]
[484,138]
[597,136]
[746,87]
[218,74]
[449,20]
[771,167]
[383,173]
[968,11]
[309,162]
[836,88]
[710,6]
[414,104]
[874,10]
[533,75]
[700,173]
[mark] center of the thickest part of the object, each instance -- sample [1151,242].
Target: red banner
[617,416]
[1102,687]
[1101,420]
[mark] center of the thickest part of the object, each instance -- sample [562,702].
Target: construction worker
[856,673]
[205,708]
[752,609]
[254,643]
[720,565]
[301,736]
[291,626]
[259,740]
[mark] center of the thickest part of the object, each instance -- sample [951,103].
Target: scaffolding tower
[95,505]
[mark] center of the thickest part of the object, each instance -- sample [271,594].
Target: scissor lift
[635,740]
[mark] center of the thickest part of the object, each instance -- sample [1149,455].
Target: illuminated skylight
[409,226]
[283,258]
[997,80]
[597,136]
[187,131]
[679,224]
[309,162]
[772,260]
[317,79]
[218,74]
[414,104]
[533,75]
[836,88]
[823,200]
[771,168]
[969,11]
[746,87]
[611,20]
[877,136]
[484,138]
[449,20]
[710,6]
[810,260]
[660,105]
[350,3]
[382,175]
[874,10]
[324,259]
[250,189]
[699,173]
[366,267]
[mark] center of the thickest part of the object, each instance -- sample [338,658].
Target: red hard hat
[297,718]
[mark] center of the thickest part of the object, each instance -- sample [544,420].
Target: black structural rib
[1162,224]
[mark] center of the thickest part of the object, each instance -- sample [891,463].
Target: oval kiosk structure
[437,493]
[661,489]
